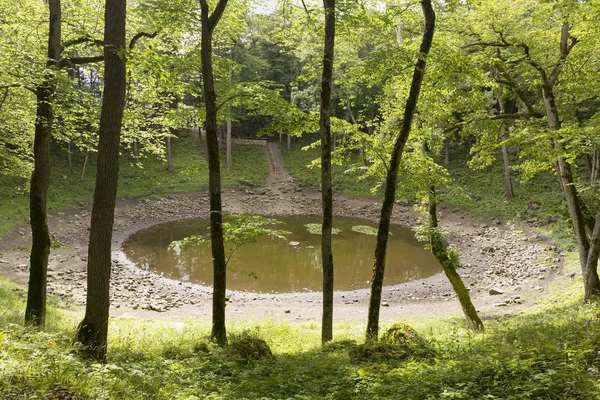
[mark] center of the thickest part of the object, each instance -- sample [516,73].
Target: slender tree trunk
[209,22]
[136,154]
[35,311]
[326,191]
[507,178]
[289,142]
[93,330]
[70,157]
[595,167]
[446,151]
[170,169]
[85,160]
[392,174]
[588,164]
[450,264]
[505,158]
[591,281]
[229,155]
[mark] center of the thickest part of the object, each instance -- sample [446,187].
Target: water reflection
[275,265]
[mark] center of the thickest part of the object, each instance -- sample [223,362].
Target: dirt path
[496,256]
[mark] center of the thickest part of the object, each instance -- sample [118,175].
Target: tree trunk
[507,178]
[85,160]
[450,264]
[595,167]
[446,151]
[505,158]
[93,330]
[229,155]
[326,191]
[170,169]
[35,311]
[70,157]
[591,281]
[136,155]
[289,142]
[209,22]
[392,174]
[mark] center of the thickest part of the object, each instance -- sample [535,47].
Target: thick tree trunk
[229,155]
[209,23]
[439,248]
[35,311]
[392,174]
[326,191]
[93,330]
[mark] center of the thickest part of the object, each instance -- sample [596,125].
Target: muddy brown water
[274,265]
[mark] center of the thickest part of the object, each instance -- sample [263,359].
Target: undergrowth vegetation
[551,351]
[149,177]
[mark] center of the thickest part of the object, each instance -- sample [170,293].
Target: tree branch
[139,36]
[84,39]
[16,85]
[217,13]
[231,98]
[567,42]
[80,60]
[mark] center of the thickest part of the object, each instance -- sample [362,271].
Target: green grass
[483,192]
[249,169]
[546,353]
[343,180]
[477,192]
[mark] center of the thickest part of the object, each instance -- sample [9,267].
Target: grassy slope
[191,174]
[550,352]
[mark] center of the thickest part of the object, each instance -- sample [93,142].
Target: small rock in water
[294,244]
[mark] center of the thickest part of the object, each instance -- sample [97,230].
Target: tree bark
[85,160]
[439,248]
[228,139]
[70,157]
[507,178]
[591,282]
[209,22]
[93,330]
[170,169]
[446,151]
[392,174]
[326,190]
[505,158]
[35,311]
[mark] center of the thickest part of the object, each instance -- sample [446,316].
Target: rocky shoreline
[505,268]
